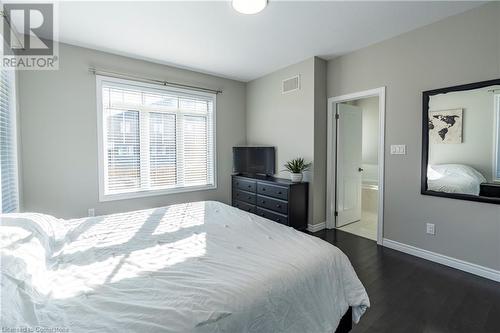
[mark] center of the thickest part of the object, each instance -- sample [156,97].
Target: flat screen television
[254,160]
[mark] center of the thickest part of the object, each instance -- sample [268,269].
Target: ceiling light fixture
[249,6]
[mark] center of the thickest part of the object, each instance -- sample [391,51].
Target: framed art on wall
[445,126]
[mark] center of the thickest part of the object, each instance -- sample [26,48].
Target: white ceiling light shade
[249,6]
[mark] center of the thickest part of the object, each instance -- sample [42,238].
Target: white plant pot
[296,177]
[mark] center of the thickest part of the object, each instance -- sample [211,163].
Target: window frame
[496,137]
[102,167]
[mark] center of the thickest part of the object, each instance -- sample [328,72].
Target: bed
[454,178]
[194,267]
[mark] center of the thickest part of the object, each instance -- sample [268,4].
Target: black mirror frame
[426,95]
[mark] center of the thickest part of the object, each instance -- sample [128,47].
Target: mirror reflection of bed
[464,142]
[454,178]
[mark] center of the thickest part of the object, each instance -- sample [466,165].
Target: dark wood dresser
[276,199]
[490,190]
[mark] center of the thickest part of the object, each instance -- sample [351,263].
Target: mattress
[194,267]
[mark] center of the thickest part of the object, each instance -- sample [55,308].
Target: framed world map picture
[445,126]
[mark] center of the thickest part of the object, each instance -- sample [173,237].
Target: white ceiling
[211,37]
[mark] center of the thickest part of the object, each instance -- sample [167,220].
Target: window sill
[143,194]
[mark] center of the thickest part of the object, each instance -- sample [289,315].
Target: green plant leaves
[297,165]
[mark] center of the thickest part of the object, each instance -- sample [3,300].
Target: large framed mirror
[461,142]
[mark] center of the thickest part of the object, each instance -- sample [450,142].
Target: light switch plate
[398,149]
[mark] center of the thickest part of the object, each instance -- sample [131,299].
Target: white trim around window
[172,119]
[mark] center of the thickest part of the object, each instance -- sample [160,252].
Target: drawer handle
[249,198]
[263,201]
[249,186]
[263,189]
[277,219]
[262,214]
[279,192]
[278,206]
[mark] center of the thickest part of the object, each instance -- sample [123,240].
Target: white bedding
[196,267]
[454,178]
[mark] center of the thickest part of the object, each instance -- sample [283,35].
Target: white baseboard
[465,266]
[316,227]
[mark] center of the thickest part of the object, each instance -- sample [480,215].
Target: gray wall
[288,122]
[320,142]
[459,49]
[476,149]
[283,120]
[58,120]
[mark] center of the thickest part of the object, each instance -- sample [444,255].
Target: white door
[349,163]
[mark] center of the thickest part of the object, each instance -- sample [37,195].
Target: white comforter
[196,267]
[454,178]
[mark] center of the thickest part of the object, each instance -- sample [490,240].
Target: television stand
[276,199]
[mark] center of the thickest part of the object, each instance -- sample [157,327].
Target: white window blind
[154,140]
[8,150]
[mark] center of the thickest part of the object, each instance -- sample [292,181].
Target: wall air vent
[290,84]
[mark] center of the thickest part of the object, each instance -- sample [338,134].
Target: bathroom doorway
[356,164]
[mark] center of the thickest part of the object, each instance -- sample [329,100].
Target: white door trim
[331,158]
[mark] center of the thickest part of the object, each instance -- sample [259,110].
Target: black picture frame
[426,95]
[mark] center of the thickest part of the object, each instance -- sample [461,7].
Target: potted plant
[296,167]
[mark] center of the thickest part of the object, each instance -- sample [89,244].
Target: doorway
[356,163]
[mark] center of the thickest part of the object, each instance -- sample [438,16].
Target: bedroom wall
[58,120]
[320,141]
[287,121]
[460,49]
[476,149]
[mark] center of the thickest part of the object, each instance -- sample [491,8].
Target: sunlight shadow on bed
[112,230]
[74,279]
[118,248]
[179,217]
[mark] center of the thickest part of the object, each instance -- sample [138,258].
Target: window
[496,164]
[9,198]
[154,140]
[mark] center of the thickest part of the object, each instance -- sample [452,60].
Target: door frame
[332,158]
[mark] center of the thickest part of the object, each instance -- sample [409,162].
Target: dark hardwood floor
[409,294]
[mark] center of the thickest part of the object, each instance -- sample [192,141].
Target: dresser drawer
[272,204]
[248,197]
[244,206]
[272,191]
[283,219]
[244,184]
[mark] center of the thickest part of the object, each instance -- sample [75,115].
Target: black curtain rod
[155,81]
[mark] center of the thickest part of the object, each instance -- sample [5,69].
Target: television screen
[254,160]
